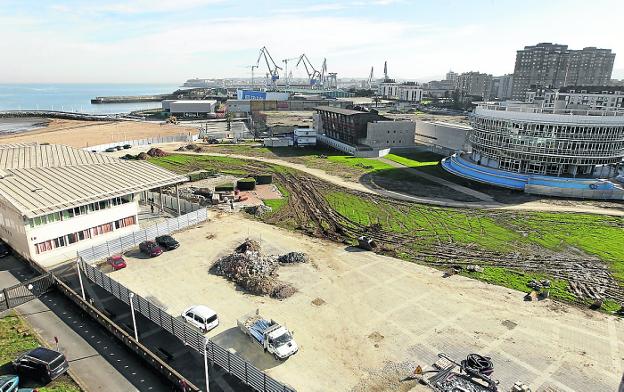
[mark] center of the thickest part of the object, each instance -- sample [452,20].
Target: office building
[501,87]
[56,200]
[592,98]
[544,151]
[362,133]
[408,91]
[554,66]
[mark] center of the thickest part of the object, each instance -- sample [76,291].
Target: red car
[117,262]
[150,248]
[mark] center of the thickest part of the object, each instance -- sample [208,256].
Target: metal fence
[229,362]
[171,202]
[129,241]
[25,291]
[183,137]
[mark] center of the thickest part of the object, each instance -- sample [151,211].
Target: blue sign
[253,95]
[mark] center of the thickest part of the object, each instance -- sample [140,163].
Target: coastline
[18,125]
[85,133]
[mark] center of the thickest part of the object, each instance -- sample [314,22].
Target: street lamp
[136,334]
[206,364]
[80,279]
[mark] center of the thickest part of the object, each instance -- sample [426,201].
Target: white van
[202,317]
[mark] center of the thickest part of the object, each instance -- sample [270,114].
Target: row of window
[77,211]
[71,238]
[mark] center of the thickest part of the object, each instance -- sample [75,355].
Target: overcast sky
[152,41]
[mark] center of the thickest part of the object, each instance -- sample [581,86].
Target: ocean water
[77,97]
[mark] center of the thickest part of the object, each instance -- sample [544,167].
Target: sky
[153,41]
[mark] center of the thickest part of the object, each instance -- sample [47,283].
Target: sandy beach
[77,133]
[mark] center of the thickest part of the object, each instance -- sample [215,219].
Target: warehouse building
[56,200]
[553,152]
[361,133]
[190,108]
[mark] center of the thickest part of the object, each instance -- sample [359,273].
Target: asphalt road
[98,361]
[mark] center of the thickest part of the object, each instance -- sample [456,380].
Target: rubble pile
[257,273]
[142,156]
[156,152]
[293,257]
[258,210]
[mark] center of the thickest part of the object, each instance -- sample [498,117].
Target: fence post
[246,378]
[6,298]
[229,370]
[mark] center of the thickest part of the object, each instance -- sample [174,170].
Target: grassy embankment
[598,235]
[16,338]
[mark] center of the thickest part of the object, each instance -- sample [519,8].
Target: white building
[190,108]
[579,98]
[239,106]
[409,92]
[56,200]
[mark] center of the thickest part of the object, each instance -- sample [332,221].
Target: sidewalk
[110,367]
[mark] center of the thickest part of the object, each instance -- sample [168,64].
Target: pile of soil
[156,152]
[257,273]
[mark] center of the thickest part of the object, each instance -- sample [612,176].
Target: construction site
[385,313]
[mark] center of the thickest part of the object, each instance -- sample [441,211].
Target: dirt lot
[77,133]
[363,320]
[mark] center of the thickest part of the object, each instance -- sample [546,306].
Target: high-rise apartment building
[555,66]
[475,84]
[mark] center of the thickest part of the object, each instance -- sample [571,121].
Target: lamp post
[206,365]
[136,334]
[80,279]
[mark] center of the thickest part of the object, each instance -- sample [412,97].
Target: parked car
[10,383]
[202,317]
[117,262]
[41,364]
[4,252]
[127,146]
[150,248]
[167,242]
[110,149]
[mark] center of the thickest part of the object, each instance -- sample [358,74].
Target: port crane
[273,71]
[369,82]
[288,76]
[314,76]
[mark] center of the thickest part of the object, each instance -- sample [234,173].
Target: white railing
[183,137]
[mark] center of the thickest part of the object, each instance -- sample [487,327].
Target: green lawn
[182,163]
[366,164]
[16,338]
[415,159]
[518,281]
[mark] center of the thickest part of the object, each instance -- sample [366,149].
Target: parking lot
[363,321]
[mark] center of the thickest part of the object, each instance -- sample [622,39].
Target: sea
[70,98]
[77,97]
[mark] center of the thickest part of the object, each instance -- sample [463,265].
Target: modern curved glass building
[574,153]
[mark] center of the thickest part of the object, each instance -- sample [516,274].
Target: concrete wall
[443,136]
[388,134]
[238,106]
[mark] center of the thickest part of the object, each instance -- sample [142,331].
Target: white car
[202,317]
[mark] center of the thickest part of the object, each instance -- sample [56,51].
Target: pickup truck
[273,337]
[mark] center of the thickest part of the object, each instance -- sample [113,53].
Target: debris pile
[258,210]
[142,156]
[293,257]
[156,152]
[257,273]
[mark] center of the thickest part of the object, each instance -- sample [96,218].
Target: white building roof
[41,179]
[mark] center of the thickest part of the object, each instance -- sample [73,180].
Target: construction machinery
[288,76]
[314,76]
[271,66]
